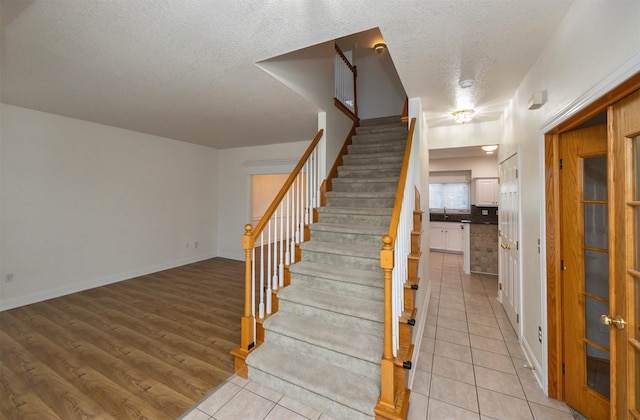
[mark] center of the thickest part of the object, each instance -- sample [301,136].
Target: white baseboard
[532,361]
[79,287]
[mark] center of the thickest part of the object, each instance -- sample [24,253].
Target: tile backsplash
[476,216]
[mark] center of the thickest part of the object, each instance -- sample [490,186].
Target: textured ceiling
[187,69]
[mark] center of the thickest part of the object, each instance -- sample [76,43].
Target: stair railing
[345,82]
[273,245]
[393,260]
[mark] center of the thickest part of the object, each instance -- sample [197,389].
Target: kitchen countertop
[460,219]
[475,217]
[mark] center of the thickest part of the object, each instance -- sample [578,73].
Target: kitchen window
[450,190]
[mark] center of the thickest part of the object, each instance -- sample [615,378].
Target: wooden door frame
[552,229]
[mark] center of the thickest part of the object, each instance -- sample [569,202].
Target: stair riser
[388,120]
[363,367]
[389,147]
[395,129]
[305,396]
[367,173]
[334,318]
[351,238]
[372,264]
[360,202]
[364,186]
[372,160]
[341,287]
[348,219]
[377,139]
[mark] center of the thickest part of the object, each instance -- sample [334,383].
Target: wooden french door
[600,264]
[624,143]
[585,270]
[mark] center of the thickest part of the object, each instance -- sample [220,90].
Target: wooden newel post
[248,323]
[387,388]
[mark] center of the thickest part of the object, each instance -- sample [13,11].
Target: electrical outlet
[485,212]
[195,244]
[8,278]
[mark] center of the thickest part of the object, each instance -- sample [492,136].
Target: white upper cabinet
[487,192]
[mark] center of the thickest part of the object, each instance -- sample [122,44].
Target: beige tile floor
[470,365]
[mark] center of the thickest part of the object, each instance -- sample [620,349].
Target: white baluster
[261,304]
[253,281]
[293,223]
[275,250]
[282,239]
[268,278]
[287,257]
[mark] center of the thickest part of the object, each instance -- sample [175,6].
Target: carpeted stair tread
[338,273]
[347,305]
[359,229]
[362,194]
[361,180]
[364,211]
[379,166]
[341,249]
[389,119]
[332,382]
[342,340]
[395,154]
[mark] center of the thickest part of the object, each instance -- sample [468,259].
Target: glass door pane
[596,272]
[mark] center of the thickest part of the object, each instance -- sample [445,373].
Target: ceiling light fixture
[463,116]
[380,47]
[490,148]
[464,84]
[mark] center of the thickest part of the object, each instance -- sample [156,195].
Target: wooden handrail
[346,60]
[276,201]
[397,206]
[354,71]
[405,110]
[388,386]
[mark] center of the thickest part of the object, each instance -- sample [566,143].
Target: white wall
[480,167]
[380,92]
[422,183]
[234,168]
[83,204]
[595,48]
[463,135]
[310,73]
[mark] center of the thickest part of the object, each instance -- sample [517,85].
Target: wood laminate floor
[150,347]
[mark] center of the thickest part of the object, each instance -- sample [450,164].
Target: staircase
[323,346]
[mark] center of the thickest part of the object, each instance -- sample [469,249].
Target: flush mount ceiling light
[463,116]
[490,148]
[380,47]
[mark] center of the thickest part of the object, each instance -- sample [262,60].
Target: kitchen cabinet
[487,192]
[446,236]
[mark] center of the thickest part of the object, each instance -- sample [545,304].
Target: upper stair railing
[345,83]
[273,245]
[394,257]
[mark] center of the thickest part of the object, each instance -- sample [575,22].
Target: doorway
[592,211]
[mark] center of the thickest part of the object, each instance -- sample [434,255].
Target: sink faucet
[445,214]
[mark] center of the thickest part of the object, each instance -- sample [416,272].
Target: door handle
[505,246]
[617,321]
